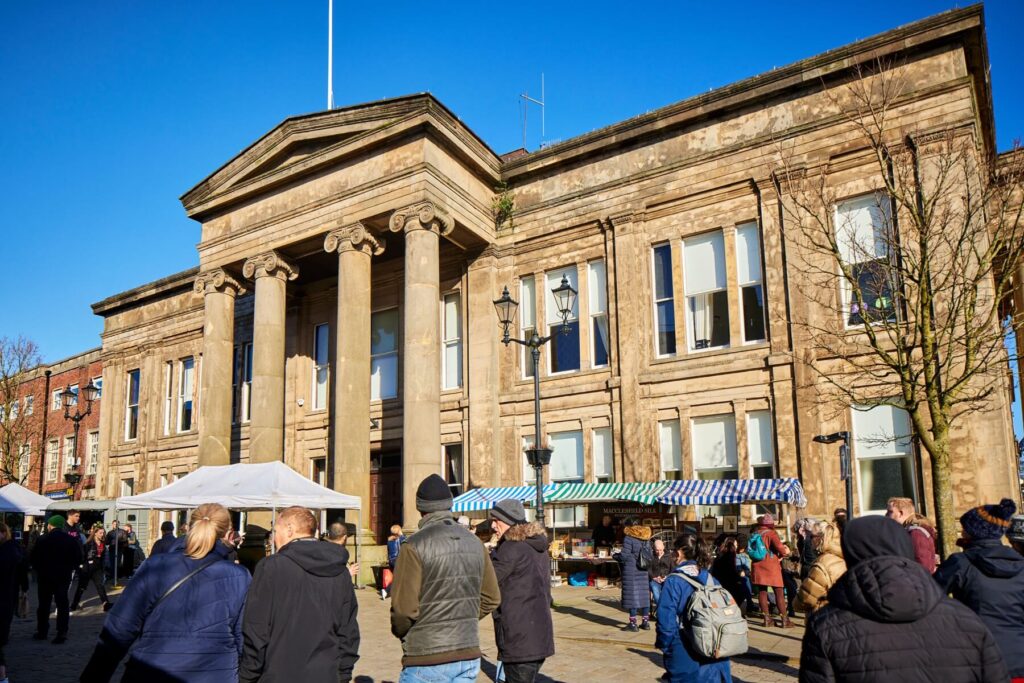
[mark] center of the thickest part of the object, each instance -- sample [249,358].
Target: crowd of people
[879,604]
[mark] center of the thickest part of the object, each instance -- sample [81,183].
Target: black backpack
[645,558]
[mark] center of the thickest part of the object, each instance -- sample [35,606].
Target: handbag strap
[180,582]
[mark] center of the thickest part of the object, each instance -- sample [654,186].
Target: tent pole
[273,525]
[359,521]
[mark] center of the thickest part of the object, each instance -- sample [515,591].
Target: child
[395,541]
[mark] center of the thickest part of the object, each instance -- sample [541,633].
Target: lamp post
[69,399]
[845,471]
[506,306]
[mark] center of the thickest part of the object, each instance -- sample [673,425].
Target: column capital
[353,237]
[425,215]
[269,264]
[218,281]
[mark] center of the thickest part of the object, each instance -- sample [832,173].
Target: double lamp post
[565,298]
[70,399]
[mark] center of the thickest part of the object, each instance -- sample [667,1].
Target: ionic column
[423,224]
[266,423]
[219,290]
[351,413]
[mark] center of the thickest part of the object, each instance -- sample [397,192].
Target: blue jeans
[656,592]
[455,672]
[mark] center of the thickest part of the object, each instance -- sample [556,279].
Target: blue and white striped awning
[732,492]
[484,499]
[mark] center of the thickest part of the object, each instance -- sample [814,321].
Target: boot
[786,623]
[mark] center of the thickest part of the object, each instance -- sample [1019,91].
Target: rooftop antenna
[526,104]
[330,54]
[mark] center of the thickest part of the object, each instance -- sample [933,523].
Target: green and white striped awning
[645,493]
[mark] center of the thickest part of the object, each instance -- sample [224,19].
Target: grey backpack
[714,625]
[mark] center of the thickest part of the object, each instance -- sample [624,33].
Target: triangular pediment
[304,143]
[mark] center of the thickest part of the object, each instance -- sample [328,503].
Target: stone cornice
[172,284]
[353,237]
[269,264]
[425,215]
[218,281]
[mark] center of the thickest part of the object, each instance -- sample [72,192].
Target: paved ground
[590,643]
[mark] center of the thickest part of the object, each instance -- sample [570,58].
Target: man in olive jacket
[444,584]
[522,624]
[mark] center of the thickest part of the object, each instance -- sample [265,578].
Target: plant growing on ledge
[504,206]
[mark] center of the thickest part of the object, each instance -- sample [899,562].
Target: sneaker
[632,628]
[60,639]
[645,626]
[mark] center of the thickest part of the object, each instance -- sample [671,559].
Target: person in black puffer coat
[636,589]
[522,622]
[988,577]
[887,620]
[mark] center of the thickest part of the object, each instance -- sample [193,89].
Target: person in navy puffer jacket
[988,577]
[181,614]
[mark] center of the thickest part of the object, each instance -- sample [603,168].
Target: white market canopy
[256,486]
[16,498]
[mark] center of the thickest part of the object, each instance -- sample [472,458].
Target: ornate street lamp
[565,297]
[70,399]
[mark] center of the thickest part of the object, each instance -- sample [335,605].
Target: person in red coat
[921,530]
[767,573]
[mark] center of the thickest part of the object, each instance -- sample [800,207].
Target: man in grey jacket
[444,584]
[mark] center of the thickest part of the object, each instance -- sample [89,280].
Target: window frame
[759,282]
[387,354]
[553,329]
[131,415]
[527,328]
[241,389]
[69,453]
[598,289]
[52,459]
[671,300]
[29,408]
[186,396]
[907,457]
[93,451]
[448,342]
[56,402]
[606,438]
[458,487]
[883,201]
[98,383]
[678,445]
[316,404]
[691,335]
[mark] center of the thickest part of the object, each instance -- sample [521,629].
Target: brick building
[341,315]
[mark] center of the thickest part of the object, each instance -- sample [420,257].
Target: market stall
[479,500]
[17,499]
[698,492]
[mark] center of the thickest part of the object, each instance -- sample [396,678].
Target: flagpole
[330,54]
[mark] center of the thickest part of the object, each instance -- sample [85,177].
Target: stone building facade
[341,314]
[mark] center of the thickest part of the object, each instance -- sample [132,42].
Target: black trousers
[522,672]
[96,576]
[50,592]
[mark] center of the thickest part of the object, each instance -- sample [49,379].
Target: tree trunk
[942,484]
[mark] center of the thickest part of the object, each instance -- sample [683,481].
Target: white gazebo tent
[16,498]
[244,486]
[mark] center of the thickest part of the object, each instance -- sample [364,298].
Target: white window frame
[168,396]
[878,200]
[56,402]
[320,381]
[754,265]
[93,452]
[691,336]
[527,320]
[886,450]
[670,449]
[70,453]
[451,342]
[129,406]
[52,459]
[563,516]
[29,405]
[24,461]
[74,390]
[312,469]
[670,299]
[597,291]
[242,383]
[387,354]
[754,447]
[98,383]
[15,408]
[602,436]
[128,486]
[459,487]
[551,310]
[186,395]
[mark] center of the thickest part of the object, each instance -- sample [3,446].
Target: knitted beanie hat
[988,521]
[509,511]
[57,522]
[433,495]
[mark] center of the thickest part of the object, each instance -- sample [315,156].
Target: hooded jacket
[824,573]
[194,635]
[888,621]
[636,587]
[988,577]
[522,622]
[768,572]
[300,617]
[55,557]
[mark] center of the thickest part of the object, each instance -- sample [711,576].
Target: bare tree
[20,421]
[909,283]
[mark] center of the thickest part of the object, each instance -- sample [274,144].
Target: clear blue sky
[111,110]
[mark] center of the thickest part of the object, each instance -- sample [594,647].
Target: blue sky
[111,110]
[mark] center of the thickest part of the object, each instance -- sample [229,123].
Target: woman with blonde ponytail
[181,611]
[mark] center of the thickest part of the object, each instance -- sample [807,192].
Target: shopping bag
[22,605]
[386,577]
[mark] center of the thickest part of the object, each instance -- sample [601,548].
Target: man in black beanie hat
[887,620]
[444,584]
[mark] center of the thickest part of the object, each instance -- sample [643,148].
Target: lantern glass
[565,296]
[90,391]
[506,308]
[67,398]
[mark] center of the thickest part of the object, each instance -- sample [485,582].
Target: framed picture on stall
[709,525]
[731,524]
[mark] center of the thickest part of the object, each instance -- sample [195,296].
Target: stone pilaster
[219,290]
[355,246]
[483,448]
[266,424]
[423,224]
